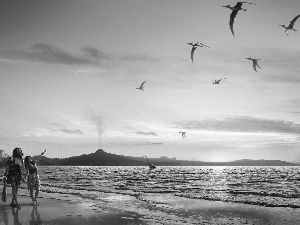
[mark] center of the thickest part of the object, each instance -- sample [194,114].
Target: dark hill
[244,162]
[102,158]
[165,161]
[161,161]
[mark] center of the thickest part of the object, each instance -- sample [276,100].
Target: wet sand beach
[111,208]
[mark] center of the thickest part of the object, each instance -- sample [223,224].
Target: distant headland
[102,158]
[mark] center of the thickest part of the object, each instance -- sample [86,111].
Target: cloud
[52,54]
[150,143]
[138,144]
[95,53]
[243,124]
[53,132]
[65,130]
[55,124]
[57,132]
[42,52]
[140,57]
[70,131]
[146,133]
[153,143]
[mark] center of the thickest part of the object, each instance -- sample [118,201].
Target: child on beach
[14,174]
[33,181]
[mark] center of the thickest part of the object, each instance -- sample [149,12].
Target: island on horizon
[102,158]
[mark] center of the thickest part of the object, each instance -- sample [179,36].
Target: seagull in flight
[141,87]
[218,81]
[234,11]
[195,45]
[183,134]
[151,166]
[255,64]
[290,26]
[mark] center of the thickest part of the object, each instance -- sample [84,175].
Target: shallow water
[267,186]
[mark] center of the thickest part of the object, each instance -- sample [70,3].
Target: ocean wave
[267,186]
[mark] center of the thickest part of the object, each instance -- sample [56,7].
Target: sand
[115,209]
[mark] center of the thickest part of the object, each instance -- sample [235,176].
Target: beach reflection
[15,213]
[4,217]
[35,216]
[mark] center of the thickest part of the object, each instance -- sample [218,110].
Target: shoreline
[110,208]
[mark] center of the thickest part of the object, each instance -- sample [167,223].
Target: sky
[69,72]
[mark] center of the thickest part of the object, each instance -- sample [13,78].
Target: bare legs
[36,194]
[14,188]
[4,192]
[37,191]
[31,195]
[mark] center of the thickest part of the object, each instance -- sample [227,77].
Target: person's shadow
[15,213]
[35,216]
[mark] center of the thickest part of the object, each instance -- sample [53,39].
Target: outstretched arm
[39,157]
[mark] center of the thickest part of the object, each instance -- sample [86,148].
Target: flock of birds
[238,7]
[234,11]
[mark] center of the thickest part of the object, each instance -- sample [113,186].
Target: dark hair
[27,160]
[17,153]
[30,165]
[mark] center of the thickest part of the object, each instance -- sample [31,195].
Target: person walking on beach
[14,173]
[33,180]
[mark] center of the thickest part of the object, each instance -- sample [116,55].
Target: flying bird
[290,26]
[194,48]
[234,11]
[218,81]
[141,87]
[151,166]
[183,134]
[255,64]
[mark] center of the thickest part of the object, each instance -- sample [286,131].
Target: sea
[269,186]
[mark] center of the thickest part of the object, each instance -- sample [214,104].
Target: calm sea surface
[268,186]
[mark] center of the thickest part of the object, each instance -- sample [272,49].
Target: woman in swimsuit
[33,180]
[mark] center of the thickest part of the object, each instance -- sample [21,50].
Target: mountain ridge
[102,158]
